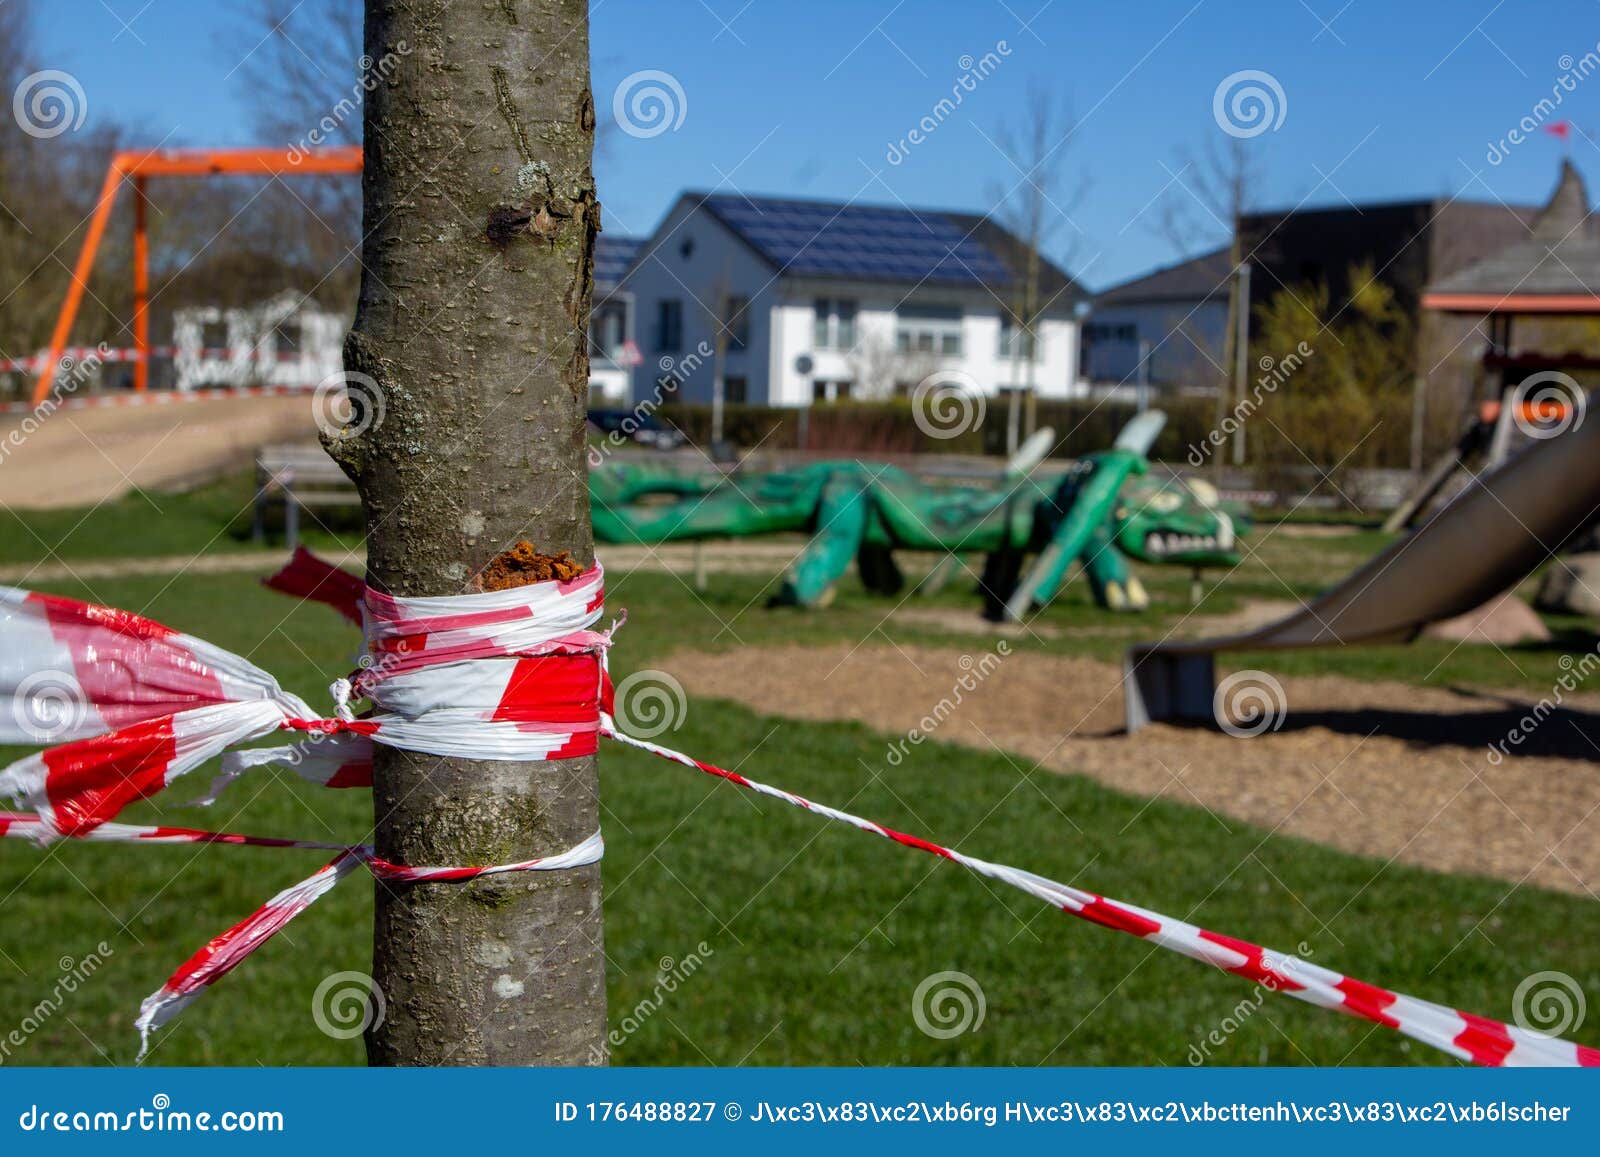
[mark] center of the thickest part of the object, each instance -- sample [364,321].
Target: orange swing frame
[139,167]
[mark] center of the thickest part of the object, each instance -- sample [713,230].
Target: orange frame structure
[139,167]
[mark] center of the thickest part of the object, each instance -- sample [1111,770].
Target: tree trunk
[468,366]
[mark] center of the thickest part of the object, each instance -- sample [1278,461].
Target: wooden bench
[298,476]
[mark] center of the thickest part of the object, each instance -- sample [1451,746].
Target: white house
[801,301]
[283,341]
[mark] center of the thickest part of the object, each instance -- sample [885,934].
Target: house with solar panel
[613,348]
[800,301]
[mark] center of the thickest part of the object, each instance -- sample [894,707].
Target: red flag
[1562,129]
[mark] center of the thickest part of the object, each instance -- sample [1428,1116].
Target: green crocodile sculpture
[1102,511]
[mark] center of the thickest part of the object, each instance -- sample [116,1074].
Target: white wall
[663,271]
[1054,373]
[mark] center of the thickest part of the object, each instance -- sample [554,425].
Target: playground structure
[1490,537]
[137,168]
[1520,393]
[1102,512]
[1527,505]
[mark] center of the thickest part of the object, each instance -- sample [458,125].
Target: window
[929,329]
[608,330]
[736,391]
[738,321]
[669,325]
[826,391]
[833,325]
[1015,341]
[1104,332]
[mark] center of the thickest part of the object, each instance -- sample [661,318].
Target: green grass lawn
[215,517]
[815,936]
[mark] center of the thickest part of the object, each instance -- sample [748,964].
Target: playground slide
[1487,539]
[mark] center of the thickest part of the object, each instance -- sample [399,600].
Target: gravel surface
[1389,770]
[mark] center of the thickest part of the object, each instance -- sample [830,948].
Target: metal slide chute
[1488,538]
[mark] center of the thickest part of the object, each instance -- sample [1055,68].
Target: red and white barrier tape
[73,355]
[1461,1034]
[222,954]
[163,397]
[518,674]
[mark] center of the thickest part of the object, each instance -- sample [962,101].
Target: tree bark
[468,366]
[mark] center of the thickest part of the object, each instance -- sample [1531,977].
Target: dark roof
[612,256]
[1560,256]
[853,242]
[1194,280]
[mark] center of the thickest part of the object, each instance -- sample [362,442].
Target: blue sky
[1382,99]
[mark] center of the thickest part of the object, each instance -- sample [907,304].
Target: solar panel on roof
[861,241]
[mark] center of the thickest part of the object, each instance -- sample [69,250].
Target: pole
[141,288]
[1241,355]
[80,280]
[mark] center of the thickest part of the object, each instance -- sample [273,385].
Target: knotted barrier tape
[516,674]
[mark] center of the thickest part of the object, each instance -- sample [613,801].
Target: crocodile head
[1177,520]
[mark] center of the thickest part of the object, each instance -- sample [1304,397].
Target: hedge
[890,427]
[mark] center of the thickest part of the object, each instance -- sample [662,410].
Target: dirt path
[78,457]
[1350,768]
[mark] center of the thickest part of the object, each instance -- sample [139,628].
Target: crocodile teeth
[1160,545]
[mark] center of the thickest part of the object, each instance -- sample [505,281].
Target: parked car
[645,429]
